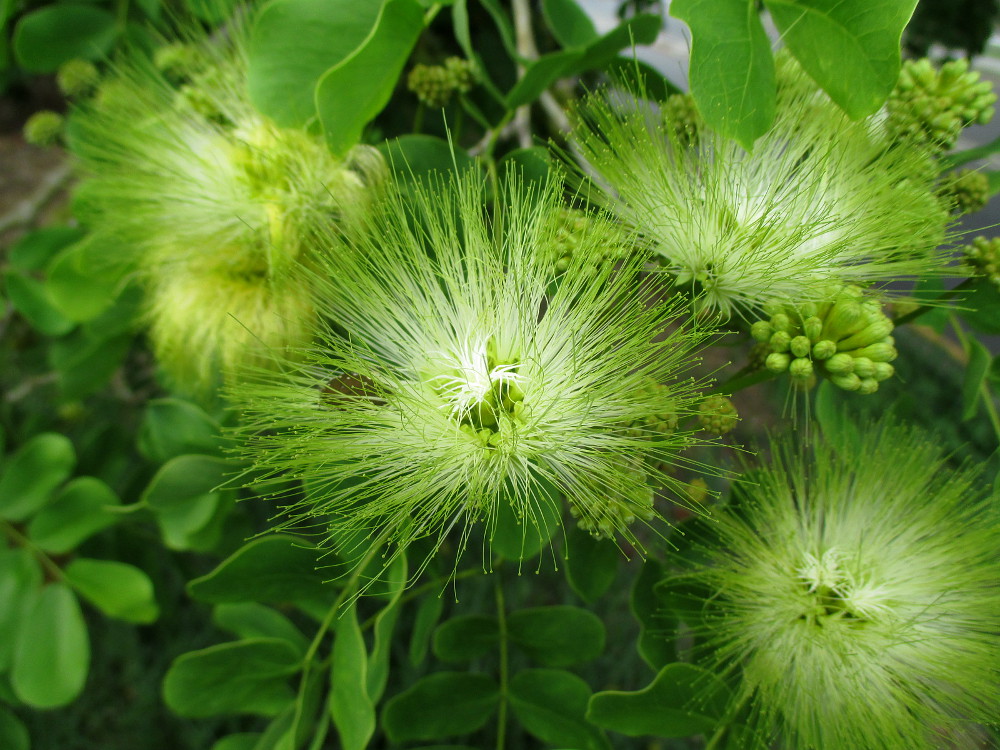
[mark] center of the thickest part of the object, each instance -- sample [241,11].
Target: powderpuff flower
[854,597]
[467,379]
[819,199]
[209,203]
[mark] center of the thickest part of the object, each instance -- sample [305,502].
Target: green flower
[44,128]
[820,198]
[464,388]
[852,596]
[213,203]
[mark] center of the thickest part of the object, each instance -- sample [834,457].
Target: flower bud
[813,327]
[777,362]
[867,386]
[824,349]
[849,381]
[800,369]
[871,334]
[800,346]
[780,341]
[883,371]
[880,352]
[761,331]
[43,128]
[864,367]
[839,364]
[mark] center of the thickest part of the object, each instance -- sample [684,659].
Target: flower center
[832,594]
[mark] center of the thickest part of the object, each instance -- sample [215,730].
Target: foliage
[347,290]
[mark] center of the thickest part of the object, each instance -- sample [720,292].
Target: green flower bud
[780,341]
[717,414]
[800,346]
[844,318]
[864,367]
[680,114]
[777,362]
[965,191]
[982,257]
[178,61]
[813,327]
[883,371]
[43,128]
[77,77]
[801,368]
[849,381]
[761,331]
[462,74]
[781,322]
[432,84]
[824,349]
[839,364]
[871,334]
[880,352]
[867,386]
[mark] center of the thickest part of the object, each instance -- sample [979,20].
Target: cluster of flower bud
[983,258]
[617,512]
[717,414]
[681,116]
[571,229]
[847,340]
[77,77]
[43,128]
[932,106]
[434,85]
[965,191]
[178,61]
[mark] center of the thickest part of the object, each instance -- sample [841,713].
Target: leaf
[653,645]
[351,708]
[385,623]
[441,705]
[681,701]
[30,476]
[185,477]
[293,43]
[428,612]
[13,734]
[190,524]
[355,90]
[591,564]
[276,568]
[414,156]
[541,74]
[81,281]
[980,308]
[81,509]
[172,427]
[251,620]
[530,165]
[551,704]
[831,416]
[975,377]
[732,69]
[521,538]
[639,29]
[568,22]
[244,677]
[849,47]
[958,158]
[117,589]
[467,637]
[20,580]
[52,654]
[28,296]
[557,636]
[241,741]
[46,38]
[84,364]
[33,251]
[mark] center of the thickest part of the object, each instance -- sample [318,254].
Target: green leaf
[351,708]
[849,47]
[117,589]
[552,704]
[29,297]
[293,43]
[251,620]
[980,307]
[30,476]
[46,38]
[84,364]
[185,477]
[441,705]
[20,579]
[428,612]
[957,159]
[732,69]
[654,644]
[591,564]
[541,74]
[82,508]
[568,22]
[241,741]
[530,165]
[276,568]
[414,156]
[517,538]
[172,427]
[557,636]
[33,251]
[832,416]
[975,377]
[13,734]
[385,623]
[190,523]
[52,654]
[354,91]
[82,283]
[681,701]
[640,29]
[466,637]
[244,677]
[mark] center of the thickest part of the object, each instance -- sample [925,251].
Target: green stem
[502,623]
[418,118]
[913,315]
[20,540]
[744,378]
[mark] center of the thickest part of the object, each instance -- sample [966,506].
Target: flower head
[855,595]
[468,378]
[213,202]
[819,199]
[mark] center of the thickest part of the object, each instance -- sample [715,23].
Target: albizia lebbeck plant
[820,199]
[464,376]
[852,595]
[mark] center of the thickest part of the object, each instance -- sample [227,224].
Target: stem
[502,622]
[21,540]
[418,118]
[527,49]
[744,378]
[937,303]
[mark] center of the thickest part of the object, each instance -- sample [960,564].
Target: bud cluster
[617,512]
[77,77]
[571,231]
[682,118]
[983,258]
[932,106]
[717,414]
[434,85]
[846,339]
[965,191]
[43,128]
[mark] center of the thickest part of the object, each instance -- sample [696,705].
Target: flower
[820,198]
[468,379]
[212,202]
[854,596]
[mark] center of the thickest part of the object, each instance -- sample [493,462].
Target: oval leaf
[31,475]
[251,620]
[552,704]
[20,579]
[13,734]
[81,509]
[50,36]
[557,636]
[351,708]
[117,589]
[465,638]
[591,564]
[172,427]
[441,705]
[29,297]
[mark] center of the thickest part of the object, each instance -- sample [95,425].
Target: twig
[526,49]
[27,210]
